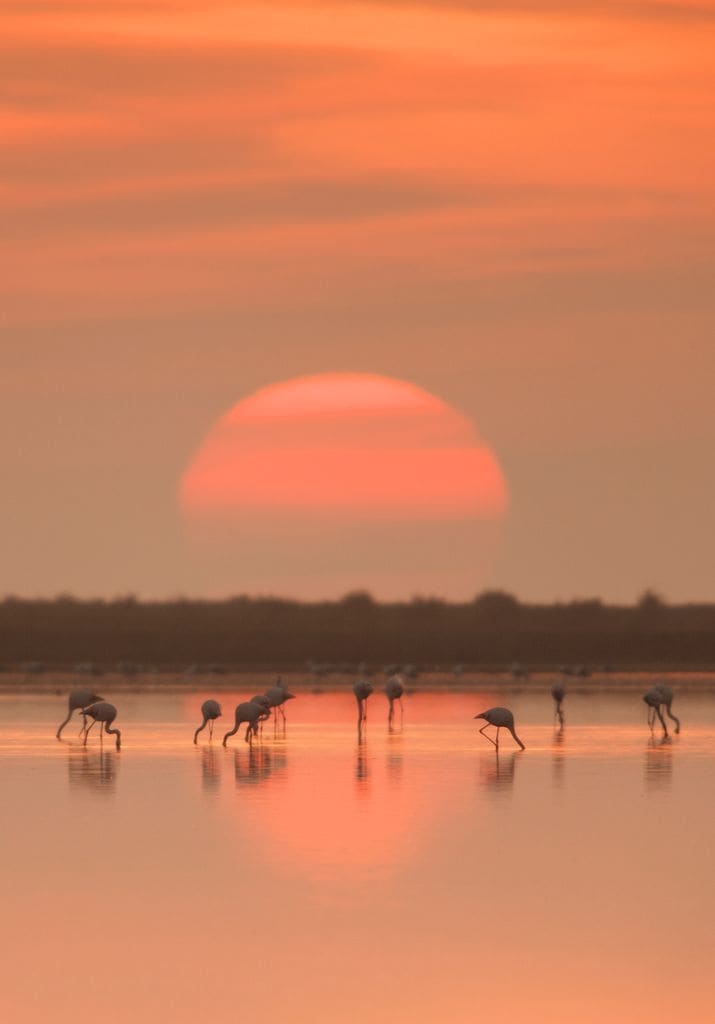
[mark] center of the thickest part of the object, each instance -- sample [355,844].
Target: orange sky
[510,205]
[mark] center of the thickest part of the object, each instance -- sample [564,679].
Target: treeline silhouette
[493,630]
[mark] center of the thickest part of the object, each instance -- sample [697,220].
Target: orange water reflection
[412,877]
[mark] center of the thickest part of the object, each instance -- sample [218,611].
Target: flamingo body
[210,711]
[78,699]
[249,713]
[500,718]
[104,713]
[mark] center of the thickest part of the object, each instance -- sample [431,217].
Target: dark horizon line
[648,599]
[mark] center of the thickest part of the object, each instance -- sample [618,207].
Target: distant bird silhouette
[249,713]
[104,713]
[558,692]
[210,711]
[654,698]
[78,699]
[362,690]
[658,697]
[500,718]
[277,695]
[393,690]
[667,695]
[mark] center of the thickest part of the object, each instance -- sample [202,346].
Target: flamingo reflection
[95,770]
[256,765]
[658,763]
[498,775]
[210,769]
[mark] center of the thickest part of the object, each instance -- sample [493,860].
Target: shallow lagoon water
[415,876]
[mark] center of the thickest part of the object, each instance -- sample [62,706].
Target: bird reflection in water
[497,773]
[257,764]
[558,760]
[658,763]
[92,769]
[210,769]
[394,755]
[362,770]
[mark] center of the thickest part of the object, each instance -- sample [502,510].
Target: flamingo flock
[254,712]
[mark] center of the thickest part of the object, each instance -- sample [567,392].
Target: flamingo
[78,699]
[362,690]
[263,702]
[104,713]
[277,695]
[501,718]
[667,695]
[210,711]
[249,713]
[393,690]
[655,700]
[558,692]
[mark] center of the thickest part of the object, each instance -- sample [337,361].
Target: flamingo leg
[89,729]
[488,737]
[497,742]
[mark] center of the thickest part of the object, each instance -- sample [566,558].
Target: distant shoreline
[59,682]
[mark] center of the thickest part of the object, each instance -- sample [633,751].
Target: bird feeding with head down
[78,699]
[666,702]
[394,689]
[558,692]
[362,690]
[210,711]
[104,713]
[249,713]
[500,718]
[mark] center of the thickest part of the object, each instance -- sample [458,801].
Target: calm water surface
[413,877]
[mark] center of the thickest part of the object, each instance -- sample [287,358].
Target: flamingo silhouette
[655,699]
[78,699]
[249,713]
[362,690]
[667,695]
[277,695]
[394,689]
[558,692]
[104,713]
[500,718]
[210,711]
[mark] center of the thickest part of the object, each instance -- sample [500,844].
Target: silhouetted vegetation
[494,630]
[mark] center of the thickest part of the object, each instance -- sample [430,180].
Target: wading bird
[667,695]
[105,714]
[277,695]
[655,700]
[78,699]
[500,718]
[393,691]
[558,692]
[249,713]
[210,711]
[362,690]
